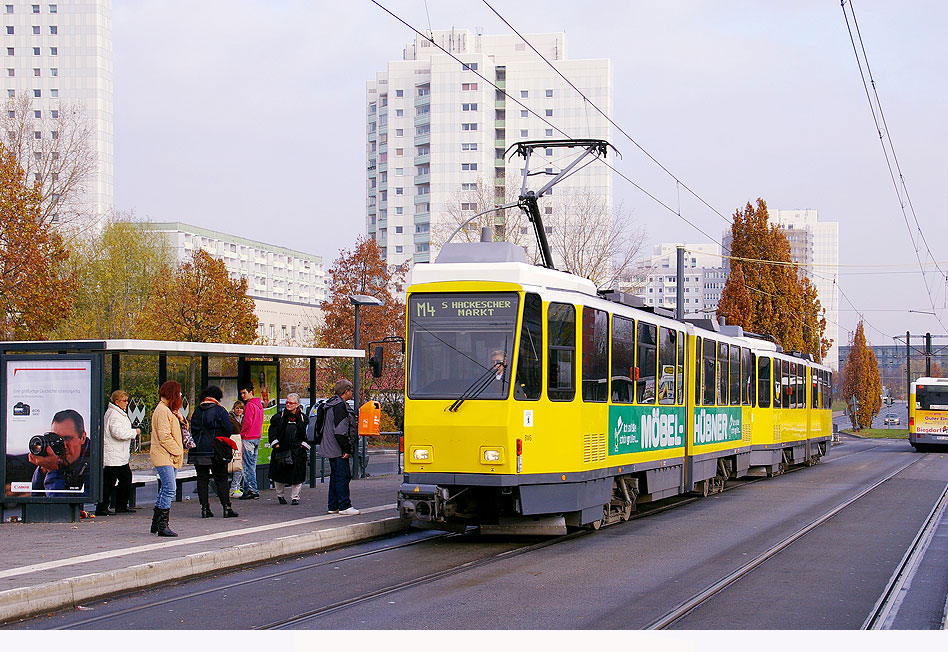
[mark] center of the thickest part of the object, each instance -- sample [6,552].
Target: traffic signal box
[370,417]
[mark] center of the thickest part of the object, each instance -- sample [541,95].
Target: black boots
[206,511]
[161,526]
[154,521]
[229,512]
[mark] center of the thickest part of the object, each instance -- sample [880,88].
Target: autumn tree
[784,304]
[199,302]
[861,381]
[37,281]
[56,149]
[362,270]
[118,269]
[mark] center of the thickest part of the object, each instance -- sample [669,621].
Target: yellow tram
[534,404]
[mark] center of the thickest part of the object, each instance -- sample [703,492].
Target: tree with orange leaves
[362,270]
[37,283]
[784,304]
[861,381]
[199,302]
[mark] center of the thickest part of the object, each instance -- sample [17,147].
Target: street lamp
[358,300]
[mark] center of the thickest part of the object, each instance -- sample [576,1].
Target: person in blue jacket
[210,421]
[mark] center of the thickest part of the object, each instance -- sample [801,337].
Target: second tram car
[928,413]
[533,403]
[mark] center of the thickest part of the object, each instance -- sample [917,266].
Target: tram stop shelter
[49,390]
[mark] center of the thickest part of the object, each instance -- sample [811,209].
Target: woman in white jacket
[117,436]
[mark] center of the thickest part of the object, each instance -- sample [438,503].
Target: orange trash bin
[370,418]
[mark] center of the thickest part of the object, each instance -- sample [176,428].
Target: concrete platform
[48,566]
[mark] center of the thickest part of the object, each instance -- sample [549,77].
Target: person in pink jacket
[250,431]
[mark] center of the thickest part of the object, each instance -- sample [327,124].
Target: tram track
[700,598]
[339,605]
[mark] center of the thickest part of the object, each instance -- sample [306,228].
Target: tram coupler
[422,502]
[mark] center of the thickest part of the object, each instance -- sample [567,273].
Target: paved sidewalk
[46,566]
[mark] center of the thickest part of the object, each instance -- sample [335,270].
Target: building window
[37,92]
[9,29]
[549,113]
[10,52]
[468,186]
[399,132]
[36,9]
[399,210]
[53,29]
[54,92]
[469,66]
[54,72]
[468,147]
[399,93]
[421,248]
[524,114]
[38,115]
[52,51]
[399,113]
[399,191]
[399,151]
[37,135]
[468,167]
[549,132]
[36,29]
[398,249]
[398,229]
[469,107]
[52,9]
[11,92]
[524,94]
[523,133]
[10,72]
[54,113]
[36,72]
[549,92]
[9,9]
[468,126]
[469,87]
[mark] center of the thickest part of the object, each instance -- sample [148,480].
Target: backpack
[320,422]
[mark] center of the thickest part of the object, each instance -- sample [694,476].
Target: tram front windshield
[455,342]
[931,397]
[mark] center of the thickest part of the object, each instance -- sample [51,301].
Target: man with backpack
[335,433]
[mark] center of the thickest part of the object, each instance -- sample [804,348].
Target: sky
[248,117]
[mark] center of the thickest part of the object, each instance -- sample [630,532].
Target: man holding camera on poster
[61,456]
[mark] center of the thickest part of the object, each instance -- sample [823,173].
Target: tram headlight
[491,455]
[420,454]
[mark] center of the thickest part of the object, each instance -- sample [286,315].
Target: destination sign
[463,307]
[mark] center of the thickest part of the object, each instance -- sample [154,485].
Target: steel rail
[245,582]
[706,594]
[887,607]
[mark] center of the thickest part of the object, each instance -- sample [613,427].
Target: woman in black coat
[210,421]
[288,457]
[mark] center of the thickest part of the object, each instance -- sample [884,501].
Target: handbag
[284,457]
[237,460]
[187,441]
[223,449]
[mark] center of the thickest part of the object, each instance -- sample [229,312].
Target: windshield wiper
[480,383]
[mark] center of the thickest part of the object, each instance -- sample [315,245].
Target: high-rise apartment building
[704,278]
[437,134]
[287,286]
[814,245]
[59,54]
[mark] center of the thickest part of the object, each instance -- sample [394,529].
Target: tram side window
[623,360]
[667,349]
[763,382]
[816,377]
[786,386]
[530,362]
[778,393]
[681,368]
[747,377]
[801,385]
[828,401]
[561,335]
[710,367]
[735,375]
[646,363]
[794,387]
[698,371]
[722,373]
[595,355]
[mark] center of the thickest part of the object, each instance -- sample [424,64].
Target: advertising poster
[264,377]
[640,429]
[48,411]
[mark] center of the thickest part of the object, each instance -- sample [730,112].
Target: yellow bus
[928,413]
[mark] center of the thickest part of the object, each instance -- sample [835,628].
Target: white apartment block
[815,246]
[704,278]
[287,286]
[435,131]
[61,52]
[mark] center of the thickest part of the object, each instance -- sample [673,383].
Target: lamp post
[358,300]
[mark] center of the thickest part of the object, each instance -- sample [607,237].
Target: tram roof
[178,348]
[510,272]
